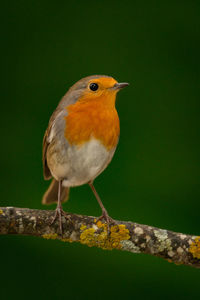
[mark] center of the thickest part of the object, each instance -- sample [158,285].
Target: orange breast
[92,119]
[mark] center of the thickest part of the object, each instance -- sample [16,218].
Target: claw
[108,220]
[59,212]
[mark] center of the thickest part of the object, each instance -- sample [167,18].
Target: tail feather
[51,195]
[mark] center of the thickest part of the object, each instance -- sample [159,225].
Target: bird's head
[100,88]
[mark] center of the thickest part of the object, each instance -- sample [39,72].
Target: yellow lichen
[100,238]
[83,227]
[1,212]
[100,224]
[67,240]
[195,248]
[51,236]
[178,263]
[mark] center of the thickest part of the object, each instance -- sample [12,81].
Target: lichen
[49,236]
[180,250]
[195,248]
[100,238]
[138,231]
[170,253]
[164,242]
[67,240]
[83,226]
[175,262]
[1,212]
[130,246]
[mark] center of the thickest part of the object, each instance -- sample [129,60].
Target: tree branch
[175,247]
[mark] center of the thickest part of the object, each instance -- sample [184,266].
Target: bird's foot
[108,220]
[59,213]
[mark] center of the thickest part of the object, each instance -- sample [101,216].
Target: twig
[174,247]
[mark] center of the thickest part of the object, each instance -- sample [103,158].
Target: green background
[154,178]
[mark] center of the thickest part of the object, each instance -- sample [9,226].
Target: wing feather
[57,123]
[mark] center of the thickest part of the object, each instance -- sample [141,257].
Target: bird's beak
[119,86]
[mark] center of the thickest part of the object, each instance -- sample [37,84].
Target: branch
[174,247]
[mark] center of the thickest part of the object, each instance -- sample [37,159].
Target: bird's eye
[94,86]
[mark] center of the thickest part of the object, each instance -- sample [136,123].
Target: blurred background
[154,178]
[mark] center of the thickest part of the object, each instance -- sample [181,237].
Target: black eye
[94,86]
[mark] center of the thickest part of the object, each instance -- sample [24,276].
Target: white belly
[81,164]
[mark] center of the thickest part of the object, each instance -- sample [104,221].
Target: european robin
[81,139]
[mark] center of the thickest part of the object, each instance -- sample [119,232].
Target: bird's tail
[51,195]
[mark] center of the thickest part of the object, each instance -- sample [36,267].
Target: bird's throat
[92,119]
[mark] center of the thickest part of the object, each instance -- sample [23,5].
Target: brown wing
[46,171]
[46,142]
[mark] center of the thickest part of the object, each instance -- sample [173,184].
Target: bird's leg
[59,211]
[105,214]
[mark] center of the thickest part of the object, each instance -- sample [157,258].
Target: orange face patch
[105,92]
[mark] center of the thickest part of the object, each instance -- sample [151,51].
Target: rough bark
[174,247]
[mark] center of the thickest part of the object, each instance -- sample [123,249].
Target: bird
[80,140]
